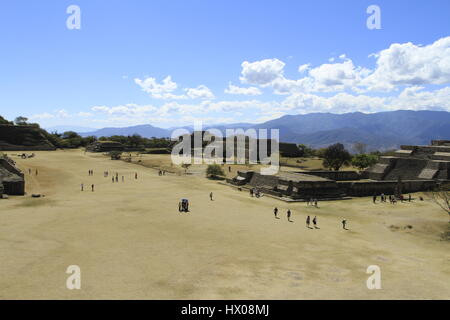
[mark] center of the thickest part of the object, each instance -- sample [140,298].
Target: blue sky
[169,62]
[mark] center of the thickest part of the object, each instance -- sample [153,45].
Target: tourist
[36,172]
[112,178]
[382,197]
[374,198]
[409,197]
[315,222]
[211,196]
[82,187]
[92,187]
[135,176]
[251,193]
[315,203]
[275,212]
[289,215]
[117,178]
[308,221]
[344,224]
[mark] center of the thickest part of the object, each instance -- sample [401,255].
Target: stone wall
[11,179]
[369,188]
[336,175]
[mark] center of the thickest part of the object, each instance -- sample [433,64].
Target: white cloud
[337,76]
[201,92]
[127,109]
[157,90]
[262,72]
[304,67]
[409,64]
[250,91]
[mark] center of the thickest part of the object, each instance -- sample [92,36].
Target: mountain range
[379,131]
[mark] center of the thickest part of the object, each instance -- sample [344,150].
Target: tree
[4,121]
[214,170]
[363,161]
[335,156]
[20,121]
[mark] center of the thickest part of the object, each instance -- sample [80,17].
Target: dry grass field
[131,242]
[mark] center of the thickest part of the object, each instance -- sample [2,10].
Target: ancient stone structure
[415,163]
[411,169]
[291,185]
[24,137]
[12,181]
[241,145]
[105,146]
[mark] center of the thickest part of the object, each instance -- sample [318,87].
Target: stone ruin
[410,169]
[12,181]
[415,163]
[105,146]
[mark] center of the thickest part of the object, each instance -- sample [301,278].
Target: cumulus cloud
[410,64]
[337,76]
[165,89]
[250,91]
[201,92]
[157,90]
[262,72]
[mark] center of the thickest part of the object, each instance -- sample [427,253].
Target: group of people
[29,171]
[162,173]
[114,178]
[308,219]
[312,202]
[392,199]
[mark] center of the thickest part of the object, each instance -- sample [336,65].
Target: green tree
[363,161]
[214,170]
[335,156]
[306,151]
[20,121]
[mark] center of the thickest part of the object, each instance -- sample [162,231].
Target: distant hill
[379,131]
[146,131]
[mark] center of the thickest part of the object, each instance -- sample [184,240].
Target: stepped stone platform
[415,163]
[12,181]
[411,169]
[23,137]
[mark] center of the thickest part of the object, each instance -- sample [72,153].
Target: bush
[363,161]
[214,170]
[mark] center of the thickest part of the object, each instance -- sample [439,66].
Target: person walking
[289,215]
[275,212]
[135,176]
[82,187]
[316,203]
[308,221]
[92,187]
[344,224]
[315,222]
[211,196]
